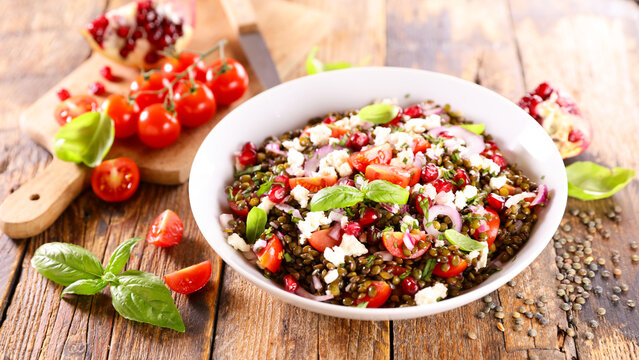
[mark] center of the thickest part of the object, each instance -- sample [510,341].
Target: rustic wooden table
[590,48]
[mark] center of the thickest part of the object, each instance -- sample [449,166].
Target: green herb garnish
[428,269]
[86,139]
[248,170]
[404,275]
[362,304]
[265,187]
[474,128]
[590,181]
[255,224]
[287,257]
[464,242]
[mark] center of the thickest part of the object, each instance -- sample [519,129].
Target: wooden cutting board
[37,204]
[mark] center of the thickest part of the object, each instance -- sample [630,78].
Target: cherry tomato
[190,279]
[320,240]
[381,154]
[420,144]
[270,257]
[74,107]
[453,271]
[337,132]
[493,227]
[313,184]
[395,174]
[156,81]
[167,230]
[394,242]
[290,284]
[175,65]
[115,180]
[194,106]
[383,292]
[124,113]
[228,82]
[157,127]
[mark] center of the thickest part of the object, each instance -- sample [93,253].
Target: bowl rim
[517,266]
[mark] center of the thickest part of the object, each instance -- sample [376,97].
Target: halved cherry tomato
[394,174]
[271,256]
[235,207]
[142,89]
[74,107]
[320,240]
[453,271]
[157,127]
[115,180]
[313,184]
[493,227]
[336,131]
[420,144]
[381,154]
[194,105]
[382,294]
[124,113]
[175,65]
[228,82]
[167,230]
[394,242]
[190,279]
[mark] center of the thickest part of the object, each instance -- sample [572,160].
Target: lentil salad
[380,207]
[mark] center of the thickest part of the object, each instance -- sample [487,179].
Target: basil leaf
[249,170]
[121,255]
[362,304]
[378,113]
[255,224]
[142,297]
[313,66]
[337,65]
[384,191]
[66,263]
[590,181]
[85,287]
[474,128]
[265,187]
[333,197]
[86,139]
[464,242]
[428,269]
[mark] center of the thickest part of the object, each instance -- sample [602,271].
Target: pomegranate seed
[418,202]
[329,120]
[290,284]
[491,145]
[461,178]
[414,111]
[123,31]
[369,217]
[544,90]
[430,172]
[97,88]
[277,193]
[106,73]
[398,118]
[248,155]
[137,34]
[282,179]
[353,228]
[499,160]
[152,57]
[409,286]
[357,141]
[63,94]
[495,201]
[575,135]
[442,185]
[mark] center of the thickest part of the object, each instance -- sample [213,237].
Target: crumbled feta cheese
[470,191]
[460,200]
[266,204]
[326,171]
[335,255]
[483,258]
[498,182]
[433,121]
[416,125]
[471,255]
[417,189]
[238,243]
[439,243]
[339,160]
[313,220]
[320,134]
[491,167]
[352,246]
[351,122]
[293,144]
[430,191]
[401,140]
[435,152]
[476,160]
[331,276]
[300,194]
[409,222]
[404,159]
[381,135]
[453,144]
[445,198]
[431,294]
[295,161]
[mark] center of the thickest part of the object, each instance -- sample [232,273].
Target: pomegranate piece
[461,178]
[496,202]
[409,286]
[369,217]
[106,73]
[430,172]
[414,111]
[329,120]
[63,94]
[290,284]
[353,228]
[97,88]
[442,185]
[277,193]
[248,154]
[357,141]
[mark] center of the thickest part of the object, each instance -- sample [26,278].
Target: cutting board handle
[32,208]
[241,15]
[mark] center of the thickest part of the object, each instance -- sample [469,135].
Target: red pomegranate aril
[495,201]
[136,34]
[248,154]
[277,193]
[414,111]
[461,178]
[123,31]
[357,141]
[499,160]
[63,94]
[151,57]
[544,90]
[290,284]
[281,179]
[491,145]
[353,228]
[409,286]
[430,172]
[442,185]
[575,135]
[369,217]
[97,88]
[106,73]
[329,120]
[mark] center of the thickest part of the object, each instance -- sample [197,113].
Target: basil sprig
[86,139]
[590,181]
[255,224]
[464,242]
[474,128]
[314,66]
[135,295]
[378,113]
[343,196]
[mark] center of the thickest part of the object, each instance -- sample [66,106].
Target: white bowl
[289,106]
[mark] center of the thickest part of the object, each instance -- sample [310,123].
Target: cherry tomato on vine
[176,65]
[115,180]
[194,105]
[157,127]
[124,113]
[74,107]
[229,82]
[141,88]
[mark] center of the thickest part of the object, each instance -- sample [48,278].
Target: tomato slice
[115,180]
[420,144]
[381,154]
[74,107]
[271,256]
[383,293]
[189,279]
[337,131]
[167,230]
[394,242]
[394,174]
[453,271]
[493,227]
[320,240]
[313,184]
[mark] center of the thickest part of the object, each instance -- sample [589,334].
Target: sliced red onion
[312,163]
[359,181]
[408,241]
[305,294]
[404,208]
[542,192]
[346,181]
[431,109]
[386,256]
[336,216]
[275,149]
[389,207]
[335,232]
[483,227]
[437,210]
[317,284]
[225,219]
[279,234]
[259,245]
[474,143]
[479,210]
[289,210]
[515,199]
[420,160]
